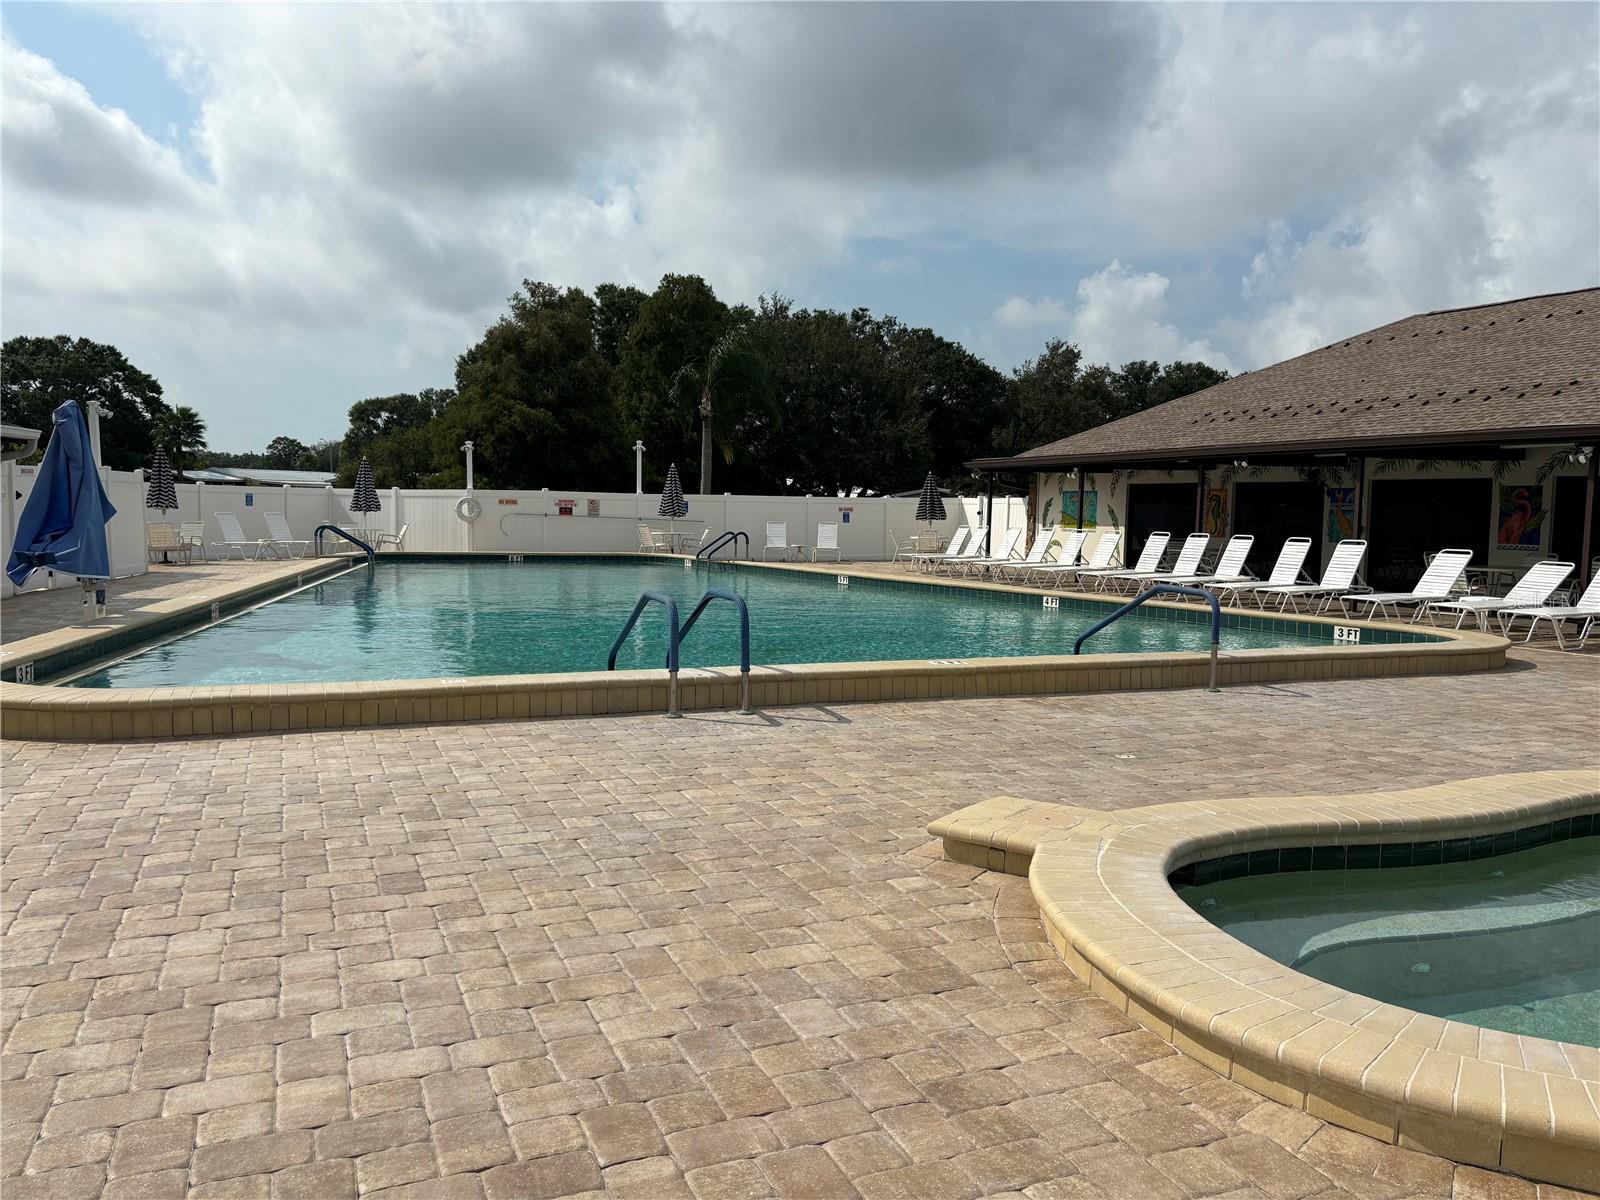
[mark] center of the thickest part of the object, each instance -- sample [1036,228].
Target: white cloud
[1018,312]
[1121,315]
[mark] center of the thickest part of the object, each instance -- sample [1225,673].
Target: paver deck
[709,957]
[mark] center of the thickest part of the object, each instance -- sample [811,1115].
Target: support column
[1081,474]
[1199,500]
[1361,496]
[1586,554]
[988,524]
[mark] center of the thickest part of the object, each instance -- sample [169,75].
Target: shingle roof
[1523,369]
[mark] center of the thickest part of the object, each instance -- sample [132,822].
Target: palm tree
[181,432]
[730,386]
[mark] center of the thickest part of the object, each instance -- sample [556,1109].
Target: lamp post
[467,446]
[638,467]
[91,410]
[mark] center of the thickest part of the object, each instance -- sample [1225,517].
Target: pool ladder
[727,537]
[347,536]
[1158,589]
[676,633]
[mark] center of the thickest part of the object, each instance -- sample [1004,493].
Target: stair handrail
[673,638]
[722,539]
[347,536]
[744,636]
[1170,589]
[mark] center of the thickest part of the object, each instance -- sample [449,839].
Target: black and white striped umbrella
[930,505]
[365,499]
[673,504]
[161,493]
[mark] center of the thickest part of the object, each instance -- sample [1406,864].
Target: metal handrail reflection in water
[1159,589]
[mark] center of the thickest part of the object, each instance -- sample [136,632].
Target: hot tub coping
[1480,1096]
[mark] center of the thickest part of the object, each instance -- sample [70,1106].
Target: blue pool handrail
[673,637]
[744,636]
[1169,589]
[347,536]
[723,539]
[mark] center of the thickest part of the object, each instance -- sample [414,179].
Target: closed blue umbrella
[63,525]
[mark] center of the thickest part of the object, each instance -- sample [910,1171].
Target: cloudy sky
[279,210]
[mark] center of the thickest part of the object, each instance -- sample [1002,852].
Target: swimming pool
[1510,941]
[449,618]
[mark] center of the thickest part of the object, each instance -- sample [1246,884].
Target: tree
[394,434]
[964,399]
[38,374]
[617,309]
[285,454]
[679,323]
[534,398]
[1046,401]
[730,389]
[181,433]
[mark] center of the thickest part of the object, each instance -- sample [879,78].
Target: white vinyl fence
[512,521]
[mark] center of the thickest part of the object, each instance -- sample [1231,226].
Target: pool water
[409,619]
[1510,942]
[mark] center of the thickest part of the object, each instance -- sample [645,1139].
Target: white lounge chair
[1066,556]
[1042,541]
[827,539]
[233,537]
[1285,572]
[1149,559]
[397,540]
[1188,561]
[1584,612]
[958,541]
[1008,546]
[1531,591]
[1229,568]
[281,536]
[1151,566]
[1338,580]
[1100,560]
[954,563]
[777,539]
[1438,582]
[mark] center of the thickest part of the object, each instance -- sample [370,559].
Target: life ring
[468,509]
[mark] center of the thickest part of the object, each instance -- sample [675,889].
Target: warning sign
[565,508]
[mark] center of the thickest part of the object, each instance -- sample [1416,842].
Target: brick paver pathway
[715,957]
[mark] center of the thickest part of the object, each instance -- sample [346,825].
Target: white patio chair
[1067,559]
[1584,612]
[281,536]
[1338,580]
[688,544]
[1042,541]
[1438,582]
[1285,572]
[1149,559]
[827,539]
[233,537]
[192,536]
[161,538]
[1229,567]
[905,549]
[397,540]
[1531,591]
[926,559]
[777,539]
[952,563]
[1007,554]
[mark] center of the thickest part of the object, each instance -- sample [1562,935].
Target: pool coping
[47,712]
[1480,1096]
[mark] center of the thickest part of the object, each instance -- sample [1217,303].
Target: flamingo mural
[1521,516]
